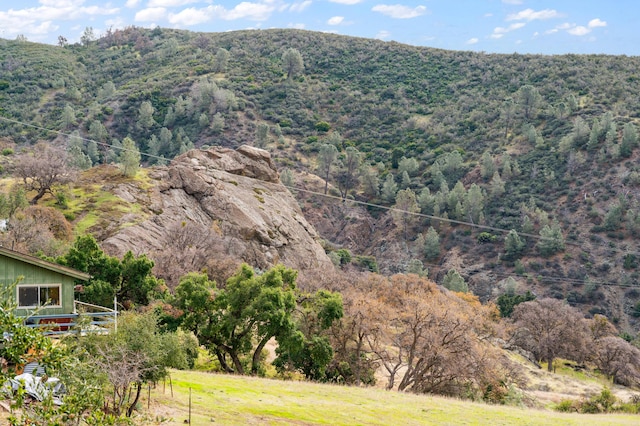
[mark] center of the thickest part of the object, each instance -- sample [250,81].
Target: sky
[491,26]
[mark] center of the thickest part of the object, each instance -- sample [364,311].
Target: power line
[378,206]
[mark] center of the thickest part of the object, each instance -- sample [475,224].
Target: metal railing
[85,318]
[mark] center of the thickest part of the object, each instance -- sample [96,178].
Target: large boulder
[237,195]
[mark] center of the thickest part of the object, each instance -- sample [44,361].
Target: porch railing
[86,318]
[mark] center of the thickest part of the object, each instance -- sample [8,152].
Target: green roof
[44,264]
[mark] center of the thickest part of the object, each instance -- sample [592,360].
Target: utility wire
[367,204]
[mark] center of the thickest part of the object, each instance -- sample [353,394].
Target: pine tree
[129,157]
[454,282]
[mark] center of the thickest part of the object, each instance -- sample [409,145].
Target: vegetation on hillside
[518,166]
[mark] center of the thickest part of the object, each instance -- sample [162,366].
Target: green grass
[233,400]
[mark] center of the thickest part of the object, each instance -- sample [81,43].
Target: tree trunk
[223,362]
[550,363]
[135,401]
[236,362]
[39,195]
[255,361]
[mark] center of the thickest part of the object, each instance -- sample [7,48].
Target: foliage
[508,301]
[236,322]
[454,282]
[130,279]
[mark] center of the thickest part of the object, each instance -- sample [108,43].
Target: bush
[7,151]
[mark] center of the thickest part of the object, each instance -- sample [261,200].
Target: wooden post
[189,405]
[149,397]
[171,386]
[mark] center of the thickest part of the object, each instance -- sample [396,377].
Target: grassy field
[233,400]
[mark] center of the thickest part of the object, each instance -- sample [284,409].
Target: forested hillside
[542,146]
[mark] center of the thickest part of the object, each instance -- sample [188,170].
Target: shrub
[7,151]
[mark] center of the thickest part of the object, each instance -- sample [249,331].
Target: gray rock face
[235,194]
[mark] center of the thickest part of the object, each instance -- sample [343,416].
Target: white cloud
[512,1]
[512,27]
[336,20]
[399,11]
[383,35]
[496,36]
[299,7]
[61,3]
[296,26]
[594,23]
[251,11]
[473,40]
[169,3]
[132,3]
[150,14]
[346,1]
[245,10]
[192,16]
[531,15]
[579,30]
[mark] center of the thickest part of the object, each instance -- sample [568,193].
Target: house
[43,283]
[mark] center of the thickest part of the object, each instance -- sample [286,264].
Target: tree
[327,156]
[389,189]
[77,158]
[42,170]
[62,41]
[68,117]
[347,176]
[497,186]
[431,244]
[404,211]
[454,282]
[629,140]
[508,301]
[308,349]
[513,246]
[129,157]
[529,99]
[237,321]
[487,166]
[549,328]
[474,204]
[292,62]
[222,59]
[145,115]
[262,135]
[551,240]
[87,36]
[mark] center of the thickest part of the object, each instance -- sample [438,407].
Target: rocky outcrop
[237,198]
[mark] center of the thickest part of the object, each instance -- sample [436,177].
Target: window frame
[39,287]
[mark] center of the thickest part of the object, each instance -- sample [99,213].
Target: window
[32,296]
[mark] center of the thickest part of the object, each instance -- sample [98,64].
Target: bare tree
[549,328]
[42,169]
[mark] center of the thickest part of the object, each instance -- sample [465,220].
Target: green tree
[487,166]
[308,349]
[404,211]
[129,157]
[431,244]
[237,321]
[68,117]
[347,176]
[513,246]
[529,99]
[474,204]
[327,157]
[292,63]
[389,189]
[77,159]
[629,140]
[286,177]
[496,186]
[145,115]
[551,240]
[454,282]
[262,135]
[508,301]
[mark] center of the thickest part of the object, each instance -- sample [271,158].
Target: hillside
[524,142]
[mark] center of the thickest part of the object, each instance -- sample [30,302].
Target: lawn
[234,400]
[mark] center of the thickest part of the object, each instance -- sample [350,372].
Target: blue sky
[492,26]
